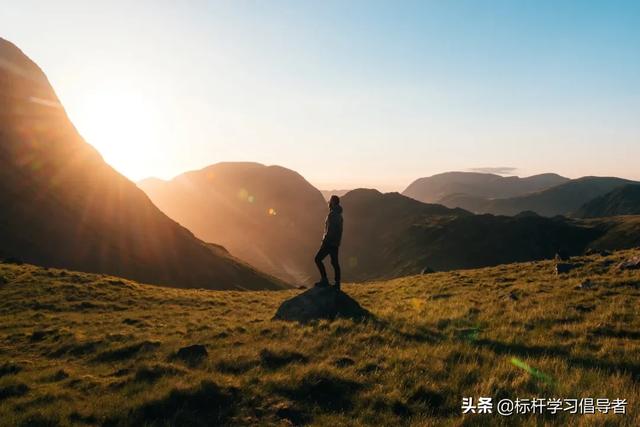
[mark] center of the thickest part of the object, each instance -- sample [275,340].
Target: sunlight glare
[120,123]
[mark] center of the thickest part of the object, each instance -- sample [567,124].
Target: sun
[121,124]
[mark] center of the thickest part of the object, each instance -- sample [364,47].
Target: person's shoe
[323,283]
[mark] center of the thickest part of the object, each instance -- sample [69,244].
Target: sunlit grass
[83,349]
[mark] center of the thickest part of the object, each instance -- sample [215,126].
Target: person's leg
[335,263]
[322,253]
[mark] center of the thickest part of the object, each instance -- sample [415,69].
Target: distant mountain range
[436,188]
[562,199]
[269,216]
[546,195]
[63,206]
[386,235]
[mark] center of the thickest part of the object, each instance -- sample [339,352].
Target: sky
[347,93]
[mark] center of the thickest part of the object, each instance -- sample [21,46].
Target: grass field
[84,349]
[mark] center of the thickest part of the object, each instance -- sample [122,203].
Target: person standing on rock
[331,242]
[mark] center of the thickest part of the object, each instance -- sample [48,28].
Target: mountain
[385,235]
[619,232]
[464,201]
[623,200]
[436,188]
[269,216]
[562,199]
[328,193]
[390,235]
[63,206]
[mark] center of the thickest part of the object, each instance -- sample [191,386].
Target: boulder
[192,354]
[564,267]
[320,303]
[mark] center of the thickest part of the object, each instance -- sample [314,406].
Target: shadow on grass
[13,390]
[274,359]
[236,365]
[616,333]
[152,373]
[76,349]
[9,369]
[561,352]
[420,334]
[522,349]
[126,352]
[204,405]
[323,389]
[431,401]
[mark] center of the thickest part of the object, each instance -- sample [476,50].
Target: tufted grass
[85,349]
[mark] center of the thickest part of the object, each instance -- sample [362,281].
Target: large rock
[192,354]
[320,303]
[564,267]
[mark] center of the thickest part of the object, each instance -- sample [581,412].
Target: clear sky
[348,93]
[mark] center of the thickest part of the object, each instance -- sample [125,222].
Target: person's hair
[335,199]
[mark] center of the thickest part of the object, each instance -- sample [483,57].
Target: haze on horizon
[364,93]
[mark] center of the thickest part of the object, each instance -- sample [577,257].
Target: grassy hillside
[558,200]
[620,232]
[623,200]
[390,235]
[564,198]
[83,349]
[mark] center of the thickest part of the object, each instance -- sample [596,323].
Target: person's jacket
[333,227]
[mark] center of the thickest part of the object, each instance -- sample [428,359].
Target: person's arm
[334,229]
[339,221]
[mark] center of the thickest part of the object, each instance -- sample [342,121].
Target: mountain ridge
[390,235]
[63,206]
[434,188]
[267,215]
[558,200]
[624,200]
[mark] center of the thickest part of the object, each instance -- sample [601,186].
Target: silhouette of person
[331,242]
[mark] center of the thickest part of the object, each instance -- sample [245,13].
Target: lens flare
[532,371]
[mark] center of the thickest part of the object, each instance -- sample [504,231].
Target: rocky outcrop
[320,303]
